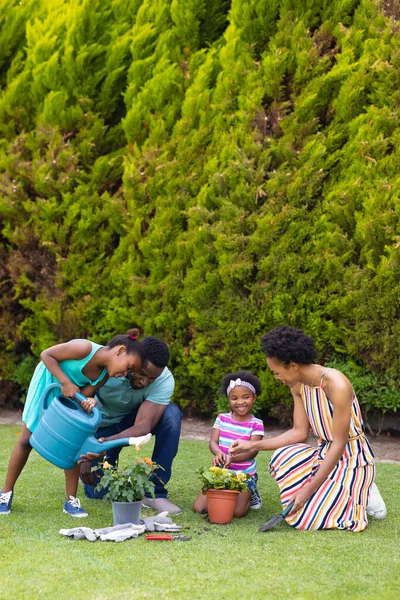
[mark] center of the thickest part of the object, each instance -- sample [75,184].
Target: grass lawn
[226,561]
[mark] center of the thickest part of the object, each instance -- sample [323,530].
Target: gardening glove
[160,522]
[120,535]
[160,518]
[80,533]
[105,530]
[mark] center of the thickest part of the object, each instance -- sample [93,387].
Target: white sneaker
[375,506]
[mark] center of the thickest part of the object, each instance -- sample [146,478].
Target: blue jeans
[166,432]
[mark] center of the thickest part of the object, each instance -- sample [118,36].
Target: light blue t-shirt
[117,397]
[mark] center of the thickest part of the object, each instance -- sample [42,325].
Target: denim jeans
[166,433]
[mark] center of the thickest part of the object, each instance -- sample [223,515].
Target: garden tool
[65,430]
[168,538]
[275,520]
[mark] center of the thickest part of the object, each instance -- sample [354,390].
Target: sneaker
[255,500]
[73,508]
[5,502]
[161,505]
[375,506]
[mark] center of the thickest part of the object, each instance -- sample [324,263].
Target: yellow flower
[224,471]
[148,461]
[106,465]
[137,448]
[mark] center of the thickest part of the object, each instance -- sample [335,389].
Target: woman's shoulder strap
[323,375]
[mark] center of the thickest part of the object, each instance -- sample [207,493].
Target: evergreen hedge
[207,169]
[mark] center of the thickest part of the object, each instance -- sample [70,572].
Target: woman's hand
[88,404]
[300,498]
[219,459]
[237,447]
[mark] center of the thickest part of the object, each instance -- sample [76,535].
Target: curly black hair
[244,376]
[288,344]
[156,350]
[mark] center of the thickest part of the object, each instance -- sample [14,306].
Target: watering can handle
[79,397]
[43,400]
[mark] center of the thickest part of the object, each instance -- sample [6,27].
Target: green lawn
[228,561]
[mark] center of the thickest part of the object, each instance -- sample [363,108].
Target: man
[133,406]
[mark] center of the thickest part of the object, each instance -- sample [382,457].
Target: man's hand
[86,474]
[91,456]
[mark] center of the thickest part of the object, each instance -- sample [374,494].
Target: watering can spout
[93,445]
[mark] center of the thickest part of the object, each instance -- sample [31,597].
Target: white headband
[233,384]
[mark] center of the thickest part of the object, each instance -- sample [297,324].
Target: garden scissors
[166,537]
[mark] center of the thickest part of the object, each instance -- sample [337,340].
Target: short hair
[130,341]
[244,376]
[156,351]
[288,344]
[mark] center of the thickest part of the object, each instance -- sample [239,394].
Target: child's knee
[24,443]
[240,512]
[200,504]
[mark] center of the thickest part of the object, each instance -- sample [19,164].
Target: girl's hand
[219,459]
[237,447]
[69,389]
[300,498]
[227,462]
[88,404]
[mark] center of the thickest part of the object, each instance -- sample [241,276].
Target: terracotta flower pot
[126,512]
[221,505]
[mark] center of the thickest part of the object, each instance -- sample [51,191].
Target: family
[331,486]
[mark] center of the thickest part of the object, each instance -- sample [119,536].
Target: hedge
[206,169]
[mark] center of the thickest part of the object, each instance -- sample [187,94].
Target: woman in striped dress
[332,486]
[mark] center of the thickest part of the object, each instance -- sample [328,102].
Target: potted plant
[126,487]
[222,487]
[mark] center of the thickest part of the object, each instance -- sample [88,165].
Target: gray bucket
[126,512]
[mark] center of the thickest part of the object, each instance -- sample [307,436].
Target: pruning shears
[167,537]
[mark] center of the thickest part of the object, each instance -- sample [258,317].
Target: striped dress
[340,502]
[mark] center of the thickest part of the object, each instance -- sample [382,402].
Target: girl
[331,485]
[78,365]
[242,389]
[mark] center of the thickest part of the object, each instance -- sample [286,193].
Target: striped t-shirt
[230,430]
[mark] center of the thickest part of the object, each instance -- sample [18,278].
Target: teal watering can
[65,430]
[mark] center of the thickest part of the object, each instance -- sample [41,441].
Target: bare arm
[340,393]
[148,416]
[220,457]
[297,434]
[242,456]
[90,390]
[251,454]
[73,350]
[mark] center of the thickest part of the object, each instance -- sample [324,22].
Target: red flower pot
[221,505]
